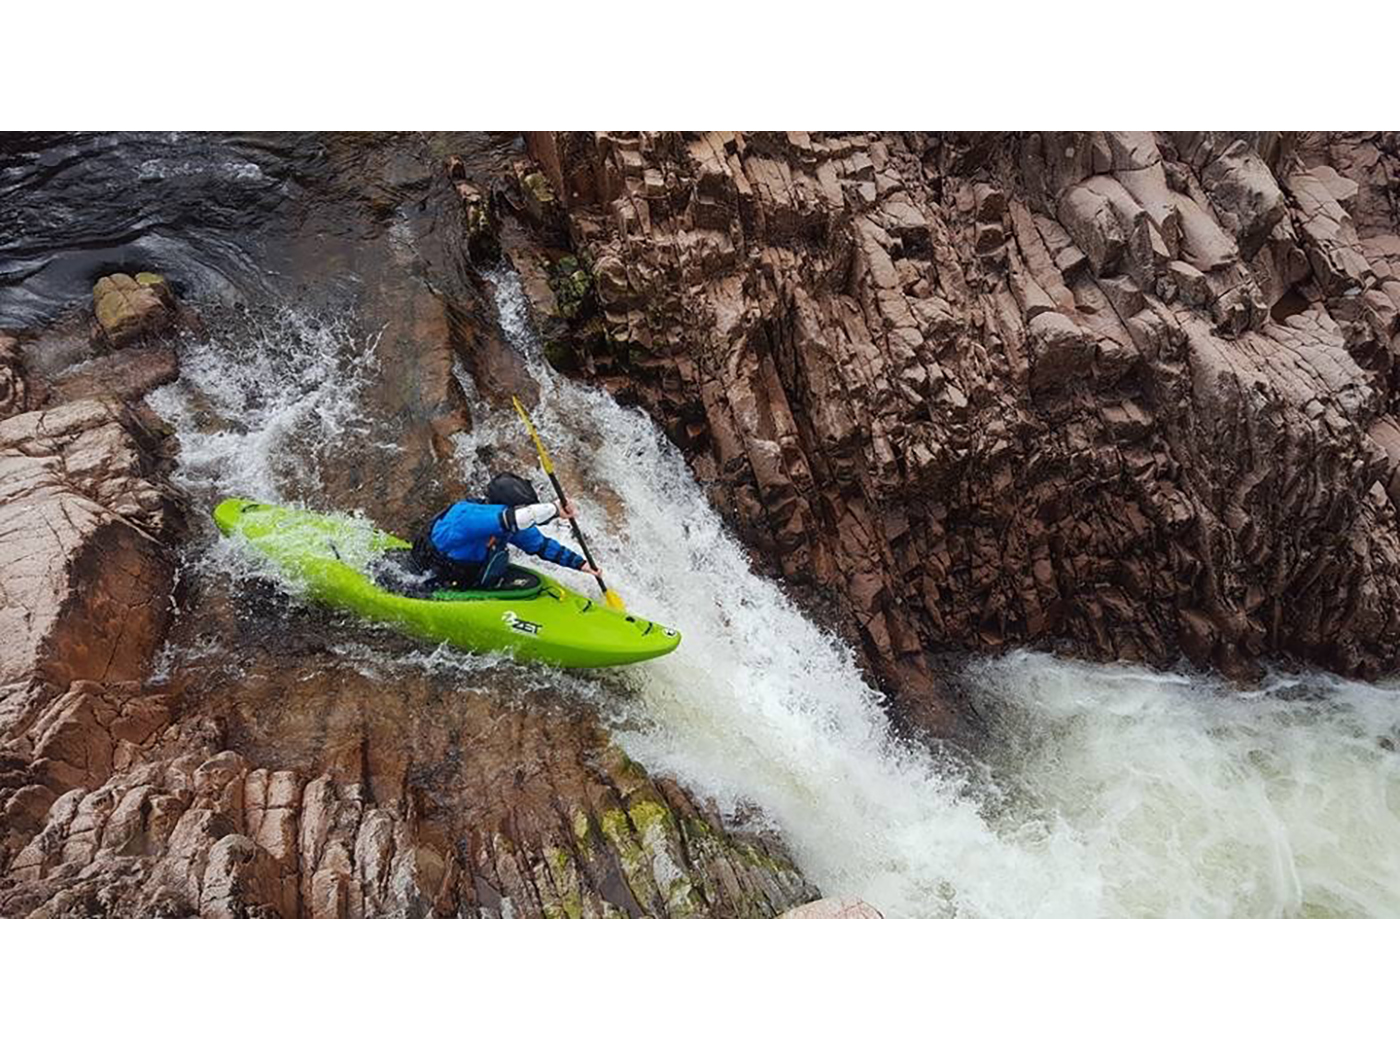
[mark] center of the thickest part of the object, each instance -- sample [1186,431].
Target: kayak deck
[393,571]
[336,559]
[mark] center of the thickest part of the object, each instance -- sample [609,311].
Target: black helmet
[510,490]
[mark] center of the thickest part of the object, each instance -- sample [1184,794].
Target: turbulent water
[1108,790]
[1112,792]
[74,207]
[1099,791]
[258,412]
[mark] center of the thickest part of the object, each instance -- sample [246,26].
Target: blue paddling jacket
[473,532]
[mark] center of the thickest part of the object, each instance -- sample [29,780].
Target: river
[1097,790]
[1102,790]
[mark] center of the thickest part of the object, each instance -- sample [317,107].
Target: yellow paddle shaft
[610,596]
[545,461]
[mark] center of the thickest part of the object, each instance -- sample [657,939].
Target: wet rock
[85,574]
[124,375]
[573,287]
[834,908]
[406,476]
[12,384]
[92,731]
[496,367]
[257,844]
[478,217]
[539,195]
[128,308]
[83,604]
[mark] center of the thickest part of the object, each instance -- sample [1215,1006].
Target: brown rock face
[264,773]
[125,375]
[84,602]
[12,384]
[112,810]
[834,908]
[1128,394]
[86,580]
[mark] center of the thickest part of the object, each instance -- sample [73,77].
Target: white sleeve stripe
[534,514]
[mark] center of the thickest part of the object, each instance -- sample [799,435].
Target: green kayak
[348,564]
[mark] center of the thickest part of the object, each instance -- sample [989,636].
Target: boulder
[129,308]
[86,577]
[834,908]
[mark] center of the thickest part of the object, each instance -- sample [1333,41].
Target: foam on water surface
[1110,791]
[1102,791]
[258,412]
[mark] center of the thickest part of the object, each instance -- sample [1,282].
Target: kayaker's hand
[566,509]
[590,570]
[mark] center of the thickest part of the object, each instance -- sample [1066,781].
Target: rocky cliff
[1127,395]
[263,774]
[118,797]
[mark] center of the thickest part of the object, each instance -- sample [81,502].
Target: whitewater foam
[258,412]
[1114,791]
[1104,790]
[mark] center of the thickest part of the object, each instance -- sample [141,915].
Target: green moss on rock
[560,354]
[538,187]
[572,285]
[564,874]
[582,828]
[631,856]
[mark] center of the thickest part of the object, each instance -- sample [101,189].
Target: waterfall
[1103,790]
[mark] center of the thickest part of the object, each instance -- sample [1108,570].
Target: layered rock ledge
[306,789]
[97,827]
[1128,395]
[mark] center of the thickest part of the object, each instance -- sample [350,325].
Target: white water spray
[257,414]
[1109,790]
[1121,792]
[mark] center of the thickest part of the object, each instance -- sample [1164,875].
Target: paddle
[610,596]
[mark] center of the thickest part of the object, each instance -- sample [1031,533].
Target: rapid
[1108,790]
[1101,790]
[1097,790]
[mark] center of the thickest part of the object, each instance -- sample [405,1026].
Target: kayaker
[464,547]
